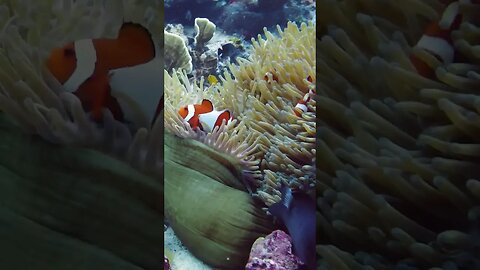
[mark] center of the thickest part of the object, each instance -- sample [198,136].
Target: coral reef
[273,143]
[176,53]
[265,145]
[398,179]
[205,60]
[273,252]
[205,30]
[208,50]
[244,17]
[166,263]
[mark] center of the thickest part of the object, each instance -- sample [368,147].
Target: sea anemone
[66,181]
[398,184]
[208,176]
[29,92]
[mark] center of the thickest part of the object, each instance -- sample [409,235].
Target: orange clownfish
[437,40]
[204,116]
[123,75]
[301,106]
[273,74]
[310,79]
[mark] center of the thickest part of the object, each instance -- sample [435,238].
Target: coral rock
[166,263]
[274,252]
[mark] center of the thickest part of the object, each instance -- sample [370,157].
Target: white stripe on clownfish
[123,75]
[209,120]
[437,46]
[86,59]
[436,38]
[301,106]
[191,112]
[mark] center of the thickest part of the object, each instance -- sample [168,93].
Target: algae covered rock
[274,252]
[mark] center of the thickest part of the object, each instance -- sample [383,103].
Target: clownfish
[437,40]
[204,116]
[123,75]
[301,106]
[273,74]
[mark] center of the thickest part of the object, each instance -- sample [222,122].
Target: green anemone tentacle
[74,208]
[213,216]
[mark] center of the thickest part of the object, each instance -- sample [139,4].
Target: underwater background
[75,193]
[398,93]
[225,186]
[387,170]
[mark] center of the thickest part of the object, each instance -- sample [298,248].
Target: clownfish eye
[69,52]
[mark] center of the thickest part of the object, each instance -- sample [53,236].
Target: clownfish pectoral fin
[422,68]
[195,122]
[94,94]
[297,112]
[100,102]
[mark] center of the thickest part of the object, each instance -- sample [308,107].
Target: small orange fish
[437,39]
[301,106]
[310,79]
[122,74]
[273,74]
[204,116]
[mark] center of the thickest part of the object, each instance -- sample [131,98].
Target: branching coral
[265,145]
[398,178]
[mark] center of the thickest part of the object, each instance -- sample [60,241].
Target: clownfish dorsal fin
[207,105]
[136,37]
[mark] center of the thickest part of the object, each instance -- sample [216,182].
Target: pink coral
[274,252]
